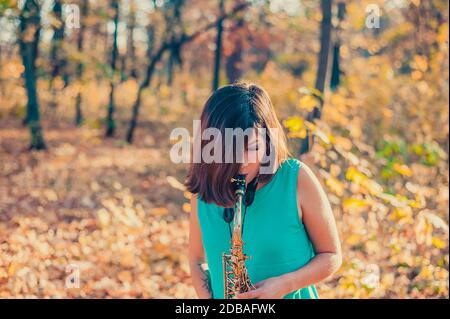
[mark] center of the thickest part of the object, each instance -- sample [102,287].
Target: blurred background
[92,206]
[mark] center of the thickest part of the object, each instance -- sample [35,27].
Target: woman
[289,230]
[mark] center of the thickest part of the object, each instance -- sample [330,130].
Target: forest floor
[110,211]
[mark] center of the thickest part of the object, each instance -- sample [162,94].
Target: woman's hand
[272,288]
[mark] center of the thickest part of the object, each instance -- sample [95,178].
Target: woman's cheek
[261,152]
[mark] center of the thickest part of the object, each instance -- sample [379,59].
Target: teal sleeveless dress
[274,235]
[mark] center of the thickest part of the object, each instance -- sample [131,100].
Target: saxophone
[236,278]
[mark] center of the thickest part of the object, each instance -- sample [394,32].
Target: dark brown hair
[238,105]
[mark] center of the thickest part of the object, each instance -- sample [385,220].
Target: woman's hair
[238,105]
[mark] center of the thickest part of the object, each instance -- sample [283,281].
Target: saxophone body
[236,278]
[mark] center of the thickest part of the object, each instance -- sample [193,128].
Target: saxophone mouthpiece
[239,183]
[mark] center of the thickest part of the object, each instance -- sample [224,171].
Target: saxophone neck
[237,220]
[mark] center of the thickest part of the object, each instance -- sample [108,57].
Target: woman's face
[252,156]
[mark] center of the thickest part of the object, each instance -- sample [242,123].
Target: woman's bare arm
[317,216]
[200,278]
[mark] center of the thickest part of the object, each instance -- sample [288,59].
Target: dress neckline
[261,191]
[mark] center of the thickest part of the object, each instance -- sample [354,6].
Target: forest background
[92,206]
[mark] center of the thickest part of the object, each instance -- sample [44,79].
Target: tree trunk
[218,53]
[58,37]
[170,63]
[234,61]
[131,49]
[322,71]
[336,67]
[80,66]
[123,68]
[30,26]
[96,34]
[325,39]
[142,86]
[57,62]
[110,123]
[173,17]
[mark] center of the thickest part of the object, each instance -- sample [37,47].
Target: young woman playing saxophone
[288,227]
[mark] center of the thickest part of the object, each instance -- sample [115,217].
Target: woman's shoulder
[297,170]
[194,201]
[307,180]
[288,171]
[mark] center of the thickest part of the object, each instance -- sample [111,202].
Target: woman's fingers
[259,284]
[249,294]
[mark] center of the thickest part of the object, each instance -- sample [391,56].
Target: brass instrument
[236,279]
